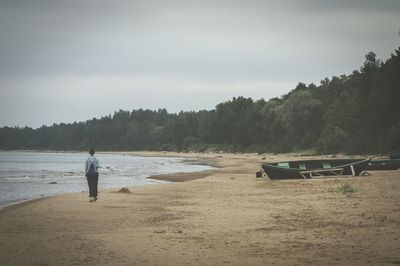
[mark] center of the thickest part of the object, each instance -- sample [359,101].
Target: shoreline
[227,217]
[170,177]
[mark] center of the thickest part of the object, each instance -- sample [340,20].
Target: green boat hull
[310,168]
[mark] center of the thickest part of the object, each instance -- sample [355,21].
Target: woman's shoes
[93,199]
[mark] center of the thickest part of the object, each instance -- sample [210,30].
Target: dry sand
[226,218]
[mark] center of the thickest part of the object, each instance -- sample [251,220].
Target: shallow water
[29,175]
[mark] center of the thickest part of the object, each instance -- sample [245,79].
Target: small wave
[14,178]
[69,174]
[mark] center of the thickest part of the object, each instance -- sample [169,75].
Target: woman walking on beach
[92,174]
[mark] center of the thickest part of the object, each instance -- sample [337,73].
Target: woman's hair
[91,151]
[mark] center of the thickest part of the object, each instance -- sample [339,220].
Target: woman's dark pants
[92,182]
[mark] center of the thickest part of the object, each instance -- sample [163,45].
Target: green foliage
[358,113]
[332,140]
[191,142]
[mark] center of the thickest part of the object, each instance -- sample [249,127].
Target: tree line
[356,113]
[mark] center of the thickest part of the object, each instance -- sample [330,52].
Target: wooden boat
[385,164]
[314,168]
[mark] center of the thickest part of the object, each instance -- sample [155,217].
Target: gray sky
[72,60]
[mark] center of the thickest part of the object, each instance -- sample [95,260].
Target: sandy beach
[220,217]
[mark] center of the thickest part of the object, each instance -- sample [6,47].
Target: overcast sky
[65,61]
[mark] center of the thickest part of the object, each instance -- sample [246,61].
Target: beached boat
[385,164]
[314,168]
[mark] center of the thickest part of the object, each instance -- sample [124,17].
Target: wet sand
[222,217]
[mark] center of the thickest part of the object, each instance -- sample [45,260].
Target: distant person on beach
[92,174]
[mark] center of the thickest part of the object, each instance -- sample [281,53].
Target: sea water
[30,175]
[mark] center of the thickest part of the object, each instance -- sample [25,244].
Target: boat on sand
[314,168]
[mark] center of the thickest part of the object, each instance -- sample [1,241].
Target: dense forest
[356,113]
